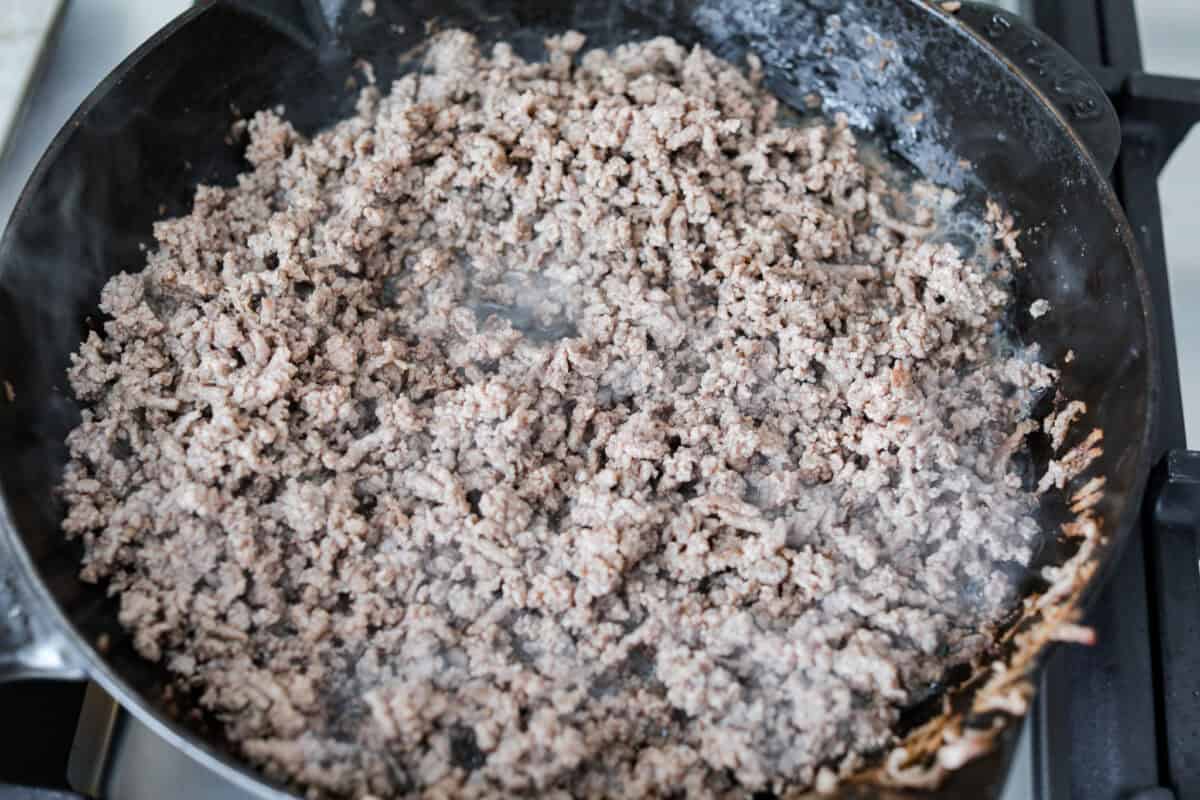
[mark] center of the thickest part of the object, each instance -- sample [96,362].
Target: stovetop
[1120,719]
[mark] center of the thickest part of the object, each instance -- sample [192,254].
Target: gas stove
[1120,719]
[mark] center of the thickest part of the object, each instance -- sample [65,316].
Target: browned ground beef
[556,429]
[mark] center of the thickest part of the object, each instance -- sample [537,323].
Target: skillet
[974,99]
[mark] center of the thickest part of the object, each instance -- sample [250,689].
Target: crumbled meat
[1005,231]
[1073,463]
[556,428]
[1077,634]
[1088,495]
[1058,425]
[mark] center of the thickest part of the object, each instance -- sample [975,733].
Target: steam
[537,304]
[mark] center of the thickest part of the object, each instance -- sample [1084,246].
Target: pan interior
[930,93]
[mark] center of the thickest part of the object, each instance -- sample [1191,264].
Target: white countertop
[24,26]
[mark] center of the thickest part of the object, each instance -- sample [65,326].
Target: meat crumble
[572,428]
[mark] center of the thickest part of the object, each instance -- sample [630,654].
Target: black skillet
[943,90]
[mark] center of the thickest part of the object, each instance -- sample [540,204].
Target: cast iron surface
[138,146]
[1060,78]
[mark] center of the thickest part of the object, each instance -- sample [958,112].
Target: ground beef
[573,428]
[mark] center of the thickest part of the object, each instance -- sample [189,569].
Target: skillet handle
[1061,79]
[1172,548]
[31,647]
[1177,503]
